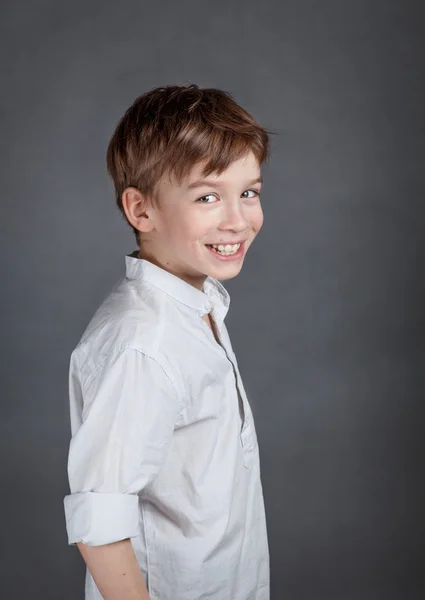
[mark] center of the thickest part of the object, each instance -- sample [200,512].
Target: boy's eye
[206,196]
[201,199]
[255,192]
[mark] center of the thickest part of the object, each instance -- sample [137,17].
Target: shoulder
[132,316]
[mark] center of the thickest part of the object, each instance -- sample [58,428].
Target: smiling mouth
[226,249]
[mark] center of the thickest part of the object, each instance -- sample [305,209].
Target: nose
[234,218]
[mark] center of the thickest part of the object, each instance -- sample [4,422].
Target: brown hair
[172,128]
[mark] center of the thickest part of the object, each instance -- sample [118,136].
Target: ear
[137,209]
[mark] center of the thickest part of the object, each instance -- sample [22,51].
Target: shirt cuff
[99,518]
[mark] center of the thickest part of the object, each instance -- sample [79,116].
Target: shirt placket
[246,433]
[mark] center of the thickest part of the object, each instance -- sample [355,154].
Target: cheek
[177,229]
[257,218]
[195,228]
[184,233]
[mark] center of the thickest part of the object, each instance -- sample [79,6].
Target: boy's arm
[130,408]
[115,570]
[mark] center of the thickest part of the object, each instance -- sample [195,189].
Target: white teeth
[227,249]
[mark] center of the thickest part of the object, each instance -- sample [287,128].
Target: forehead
[241,168]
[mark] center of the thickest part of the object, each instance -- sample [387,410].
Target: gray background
[327,316]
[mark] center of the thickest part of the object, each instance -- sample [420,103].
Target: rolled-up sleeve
[121,437]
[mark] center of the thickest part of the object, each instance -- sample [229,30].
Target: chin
[229,273]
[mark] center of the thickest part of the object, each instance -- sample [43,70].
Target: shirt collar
[214,298]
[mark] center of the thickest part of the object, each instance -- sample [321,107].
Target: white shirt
[164,449]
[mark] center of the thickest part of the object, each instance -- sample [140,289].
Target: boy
[166,500]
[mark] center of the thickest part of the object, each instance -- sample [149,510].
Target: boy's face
[190,216]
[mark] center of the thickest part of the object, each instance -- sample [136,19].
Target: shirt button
[207,306]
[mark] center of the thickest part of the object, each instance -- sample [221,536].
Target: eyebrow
[205,182]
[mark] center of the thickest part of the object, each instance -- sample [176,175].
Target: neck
[197,281]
